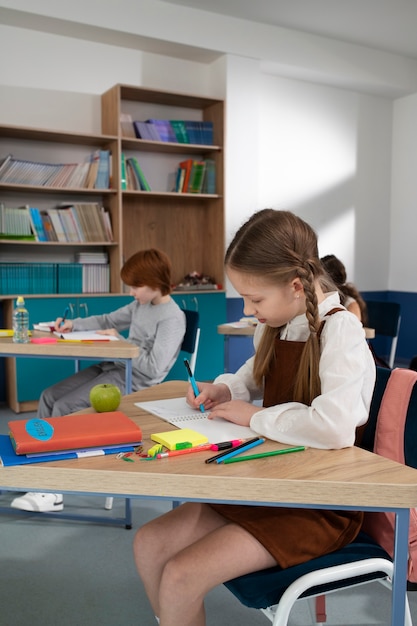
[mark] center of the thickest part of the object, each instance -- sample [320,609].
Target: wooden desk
[103,351]
[339,479]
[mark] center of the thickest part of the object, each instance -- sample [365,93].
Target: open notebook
[177,412]
[85,335]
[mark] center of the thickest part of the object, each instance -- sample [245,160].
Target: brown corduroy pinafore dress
[292,536]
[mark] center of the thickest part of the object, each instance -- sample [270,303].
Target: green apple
[105,397]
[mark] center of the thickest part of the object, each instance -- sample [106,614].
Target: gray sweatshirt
[158,330]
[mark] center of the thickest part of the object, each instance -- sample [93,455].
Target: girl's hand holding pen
[210,395]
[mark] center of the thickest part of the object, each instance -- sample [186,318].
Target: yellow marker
[156,449]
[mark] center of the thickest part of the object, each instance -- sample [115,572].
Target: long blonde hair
[278,246]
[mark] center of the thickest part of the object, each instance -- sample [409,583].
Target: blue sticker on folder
[39,429]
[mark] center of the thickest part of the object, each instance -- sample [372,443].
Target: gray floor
[69,573]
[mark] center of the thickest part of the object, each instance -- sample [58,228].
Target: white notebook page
[177,412]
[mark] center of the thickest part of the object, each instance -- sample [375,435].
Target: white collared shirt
[347,374]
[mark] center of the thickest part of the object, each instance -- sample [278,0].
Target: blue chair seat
[262,589]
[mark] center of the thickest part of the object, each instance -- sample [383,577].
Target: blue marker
[193,382]
[240,449]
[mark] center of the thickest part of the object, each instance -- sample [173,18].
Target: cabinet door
[34,375]
[210,358]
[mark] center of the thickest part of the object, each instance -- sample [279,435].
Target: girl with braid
[315,374]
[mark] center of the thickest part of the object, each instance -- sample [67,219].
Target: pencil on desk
[261,455]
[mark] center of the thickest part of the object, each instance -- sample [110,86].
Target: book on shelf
[193,131]
[15,223]
[72,431]
[37,224]
[57,224]
[209,182]
[4,162]
[180,131]
[146,130]
[69,278]
[93,170]
[138,173]
[48,226]
[123,172]
[197,177]
[126,125]
[164,128]
[207,133]
[84,175]
[187,167]
[103,172]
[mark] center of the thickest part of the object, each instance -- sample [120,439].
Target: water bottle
[20,322]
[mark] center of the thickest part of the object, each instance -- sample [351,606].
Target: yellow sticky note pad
[173,438]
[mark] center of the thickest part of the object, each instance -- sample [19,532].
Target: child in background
[349,295]
[315,373]
[156,325]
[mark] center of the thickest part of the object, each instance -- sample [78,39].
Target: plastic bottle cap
[20,300]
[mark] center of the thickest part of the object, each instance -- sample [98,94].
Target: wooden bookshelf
[188,226]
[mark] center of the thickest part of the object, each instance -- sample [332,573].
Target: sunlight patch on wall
[337,237]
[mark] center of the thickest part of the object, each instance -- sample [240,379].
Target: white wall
[322,151]
[403,224]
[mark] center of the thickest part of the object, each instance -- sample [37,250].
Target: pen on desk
[261,455]
[212,459]
[64,317]
[193,382]
[239,450]
[205,446]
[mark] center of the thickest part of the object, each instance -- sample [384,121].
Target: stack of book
[15,223]
[79,222]
[196,176]
[175,131]
[94,173]
[89,274]
[134,177]
[95,272]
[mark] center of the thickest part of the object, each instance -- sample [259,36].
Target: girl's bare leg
[185,553]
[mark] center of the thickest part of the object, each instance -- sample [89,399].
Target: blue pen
[66,313]
[193,382]
[240,449]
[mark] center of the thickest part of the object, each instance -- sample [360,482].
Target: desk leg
[128,376]
[399,583]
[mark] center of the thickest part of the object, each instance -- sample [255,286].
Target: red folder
[69,432]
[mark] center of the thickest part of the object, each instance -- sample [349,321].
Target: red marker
[225,445]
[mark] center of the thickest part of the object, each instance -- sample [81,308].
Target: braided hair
[278,246]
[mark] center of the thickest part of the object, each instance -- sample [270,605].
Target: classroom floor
[68,573]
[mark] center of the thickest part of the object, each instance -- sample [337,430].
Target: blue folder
[8,457]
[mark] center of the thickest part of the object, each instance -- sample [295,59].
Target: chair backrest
[192,336]
[385,319]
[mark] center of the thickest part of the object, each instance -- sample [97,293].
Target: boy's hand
[108,331]
[66,326]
